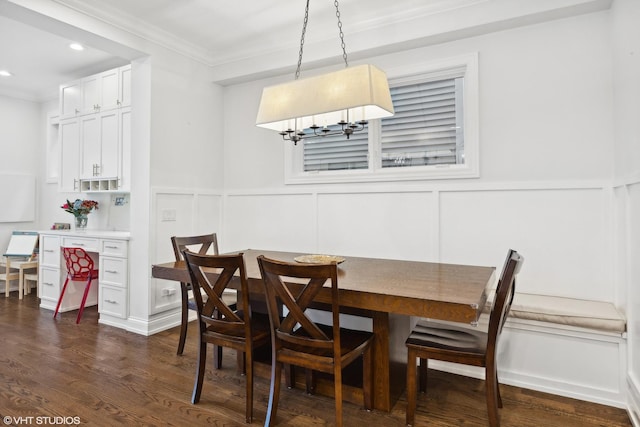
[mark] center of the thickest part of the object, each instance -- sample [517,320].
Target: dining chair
[220,324]
[449,342]
[203,244]
[80,267]
[299,341]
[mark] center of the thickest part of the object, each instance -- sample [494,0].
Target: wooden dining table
[388,292]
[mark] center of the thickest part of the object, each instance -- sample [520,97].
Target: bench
[595,315]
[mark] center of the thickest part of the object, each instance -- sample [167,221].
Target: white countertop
[98,234]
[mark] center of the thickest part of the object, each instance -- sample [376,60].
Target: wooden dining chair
[219,323]
[299,341]
[459,344]
[203,244]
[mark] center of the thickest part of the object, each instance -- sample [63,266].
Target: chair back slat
[505,292]
[297,328]
[198,244]
[214,312]
[79,264]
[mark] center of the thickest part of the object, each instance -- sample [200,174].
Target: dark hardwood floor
[108,377]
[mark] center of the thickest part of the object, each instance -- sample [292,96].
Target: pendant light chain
[344,49]
[304,31]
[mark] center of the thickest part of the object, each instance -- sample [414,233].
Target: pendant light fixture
[340,102]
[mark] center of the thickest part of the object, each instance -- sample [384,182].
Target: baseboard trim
[545,385]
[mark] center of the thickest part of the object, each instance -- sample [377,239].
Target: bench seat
[597,315]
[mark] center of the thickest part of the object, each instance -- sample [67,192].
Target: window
[433,133]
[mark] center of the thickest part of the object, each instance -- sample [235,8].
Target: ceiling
[242,36]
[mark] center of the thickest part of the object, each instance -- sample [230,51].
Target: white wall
[546,168]
[546,189]
[20,135]
[626,36]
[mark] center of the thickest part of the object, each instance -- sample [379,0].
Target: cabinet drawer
[113,271]
[113,301]
[89,245]
[50,250]
[114,248]
[49,283]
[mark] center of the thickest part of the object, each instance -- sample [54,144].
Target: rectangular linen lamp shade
[324,100]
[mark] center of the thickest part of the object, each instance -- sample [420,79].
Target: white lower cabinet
[113,301]
[109,251]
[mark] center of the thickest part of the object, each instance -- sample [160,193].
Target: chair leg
[411,386]
[217,356]
[241,362]
[367,379]
[310,380]
[64,288]
[498,390]
[84,299]
[424,365]
[185,319]
[491,382]
[249,386]
[289,376]
[337,384]
[274,392]
[202,359]
[20,283]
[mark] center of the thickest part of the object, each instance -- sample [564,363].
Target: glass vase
[81,222]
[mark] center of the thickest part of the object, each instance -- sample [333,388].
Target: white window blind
[433,134]
[427,126]
[336,152]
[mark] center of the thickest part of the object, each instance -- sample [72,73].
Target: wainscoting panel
[270,221]
[179,212]
[379,225]
[564,235]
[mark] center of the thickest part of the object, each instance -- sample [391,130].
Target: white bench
[596,315]
[566,346]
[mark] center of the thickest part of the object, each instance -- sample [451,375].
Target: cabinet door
[50,251]
[125,147]
[90,146]
[90,94]
[109,144]
[124,90]
[109,89]
[69,134]
[70,102]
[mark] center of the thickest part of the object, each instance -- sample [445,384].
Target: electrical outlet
[168,214]
[167,292]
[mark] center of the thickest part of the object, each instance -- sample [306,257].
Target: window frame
[466,65]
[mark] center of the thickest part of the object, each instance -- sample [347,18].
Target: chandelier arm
[341,34]
[304,30]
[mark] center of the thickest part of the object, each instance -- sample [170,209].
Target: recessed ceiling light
[5,73]
[76,46]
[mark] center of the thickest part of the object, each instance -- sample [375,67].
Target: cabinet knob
[76,110]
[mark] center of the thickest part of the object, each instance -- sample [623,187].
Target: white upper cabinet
[109,90]
[124,88]
[70,99]
[100,92]
[69,140]
[95,132]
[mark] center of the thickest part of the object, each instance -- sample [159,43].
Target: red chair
[79,268]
